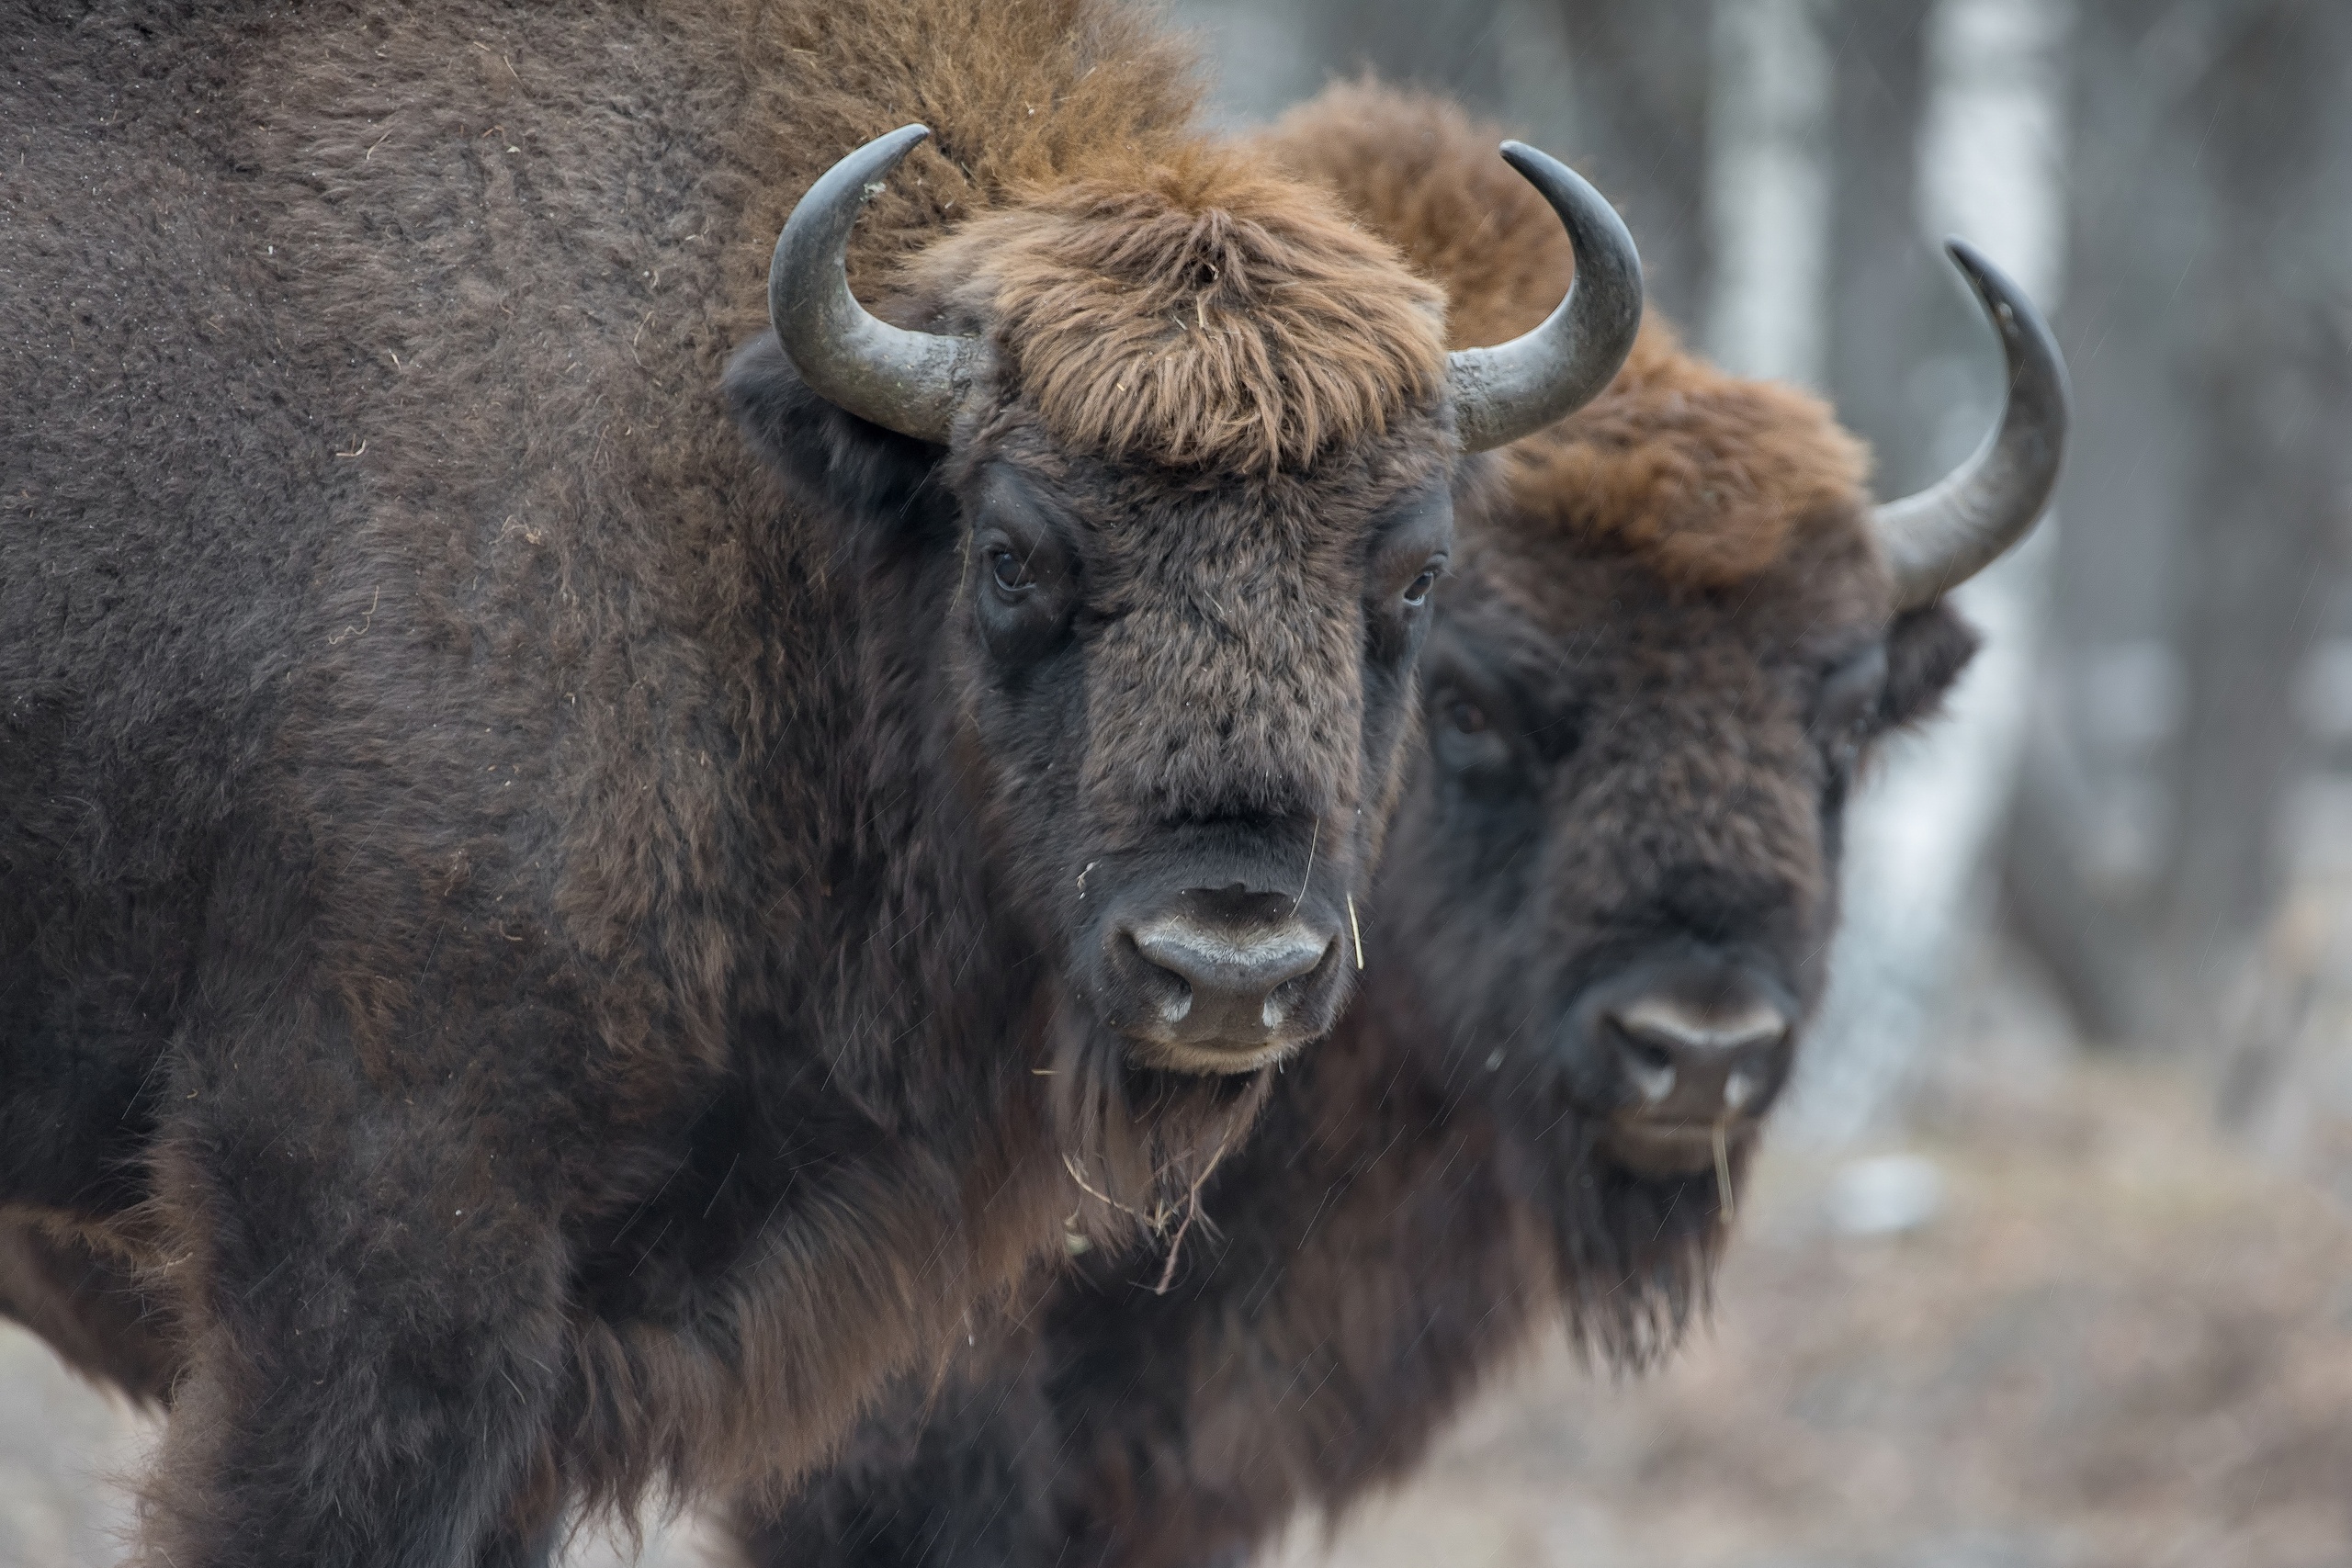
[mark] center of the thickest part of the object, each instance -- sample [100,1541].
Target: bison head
[1159,462]
[1647,704]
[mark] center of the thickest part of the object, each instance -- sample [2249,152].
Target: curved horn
[905,381]
[1517,388]
[1940,538]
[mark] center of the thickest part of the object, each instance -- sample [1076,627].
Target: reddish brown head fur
[1710,478]
[1203,311]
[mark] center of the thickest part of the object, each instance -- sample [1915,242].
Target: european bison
[1600,927]
[546,927]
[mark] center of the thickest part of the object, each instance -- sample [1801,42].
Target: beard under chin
[1635,1255]
[1142,1141]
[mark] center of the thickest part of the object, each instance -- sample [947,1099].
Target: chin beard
[1141,1142]
[1636,1254]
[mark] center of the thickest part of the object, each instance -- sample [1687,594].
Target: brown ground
[2121,1345]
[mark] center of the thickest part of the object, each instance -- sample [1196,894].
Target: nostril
[1649,1065]
[1174,993]
[1649,1057]
[1293,990]
[1752,1074]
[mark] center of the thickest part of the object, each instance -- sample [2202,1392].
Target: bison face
[1620,865]
[1157,477]
[1182,704]
[1644,721]
[1174,700]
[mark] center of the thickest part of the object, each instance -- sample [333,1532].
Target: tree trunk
[2267,368]
[1890,309]
[1637,83]
[1448,46]
[2207,327]
[1910,365]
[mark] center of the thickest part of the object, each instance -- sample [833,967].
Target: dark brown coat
[540,916]
[1668,650]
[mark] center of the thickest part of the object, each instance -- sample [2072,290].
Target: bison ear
[876,481]
[1925,650]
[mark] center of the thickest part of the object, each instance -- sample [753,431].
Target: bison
[1677,634]
[570,902]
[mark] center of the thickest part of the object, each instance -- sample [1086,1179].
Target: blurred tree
[1935,116]
[2268,372]
[2210,324]
[1447,46]
[1618,86]
[1768,190]
[1891,307]
[1637,87]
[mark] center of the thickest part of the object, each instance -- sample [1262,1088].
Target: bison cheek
[1011,752]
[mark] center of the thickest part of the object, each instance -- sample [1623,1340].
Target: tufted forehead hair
[1201,309]
[1710,478]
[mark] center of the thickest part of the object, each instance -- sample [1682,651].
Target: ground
[2120,1345]
[2121,1342]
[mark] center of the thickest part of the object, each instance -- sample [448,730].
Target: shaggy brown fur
[538,908]
[1199,311]
[91,1308]
[1154,296]
[1707,477]
[1431,1189]
[1635,756]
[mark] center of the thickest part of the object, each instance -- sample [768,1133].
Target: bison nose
[1686,1062]
[1221,976]
[1235,980]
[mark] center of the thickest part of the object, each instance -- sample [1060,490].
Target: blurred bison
[1600,928]
[542,928]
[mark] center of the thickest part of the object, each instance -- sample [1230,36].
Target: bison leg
[953,1474]
[374,1312]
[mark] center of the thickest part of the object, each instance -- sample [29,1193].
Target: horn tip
[1523,156]
[1559,184]
[2003,301]
[897,143]
[1969,258]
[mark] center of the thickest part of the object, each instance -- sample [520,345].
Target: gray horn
[1940,538]
[1517,388]
[905,381]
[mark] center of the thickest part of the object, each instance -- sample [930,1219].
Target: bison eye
[1418,591]
[1466,739]
[1011,573]
[1845,716]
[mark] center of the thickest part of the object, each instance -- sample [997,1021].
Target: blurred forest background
[2050,1261]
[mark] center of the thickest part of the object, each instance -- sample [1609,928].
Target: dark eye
[1011,573]
[1467,739]
[1846,711]
[1418,591]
